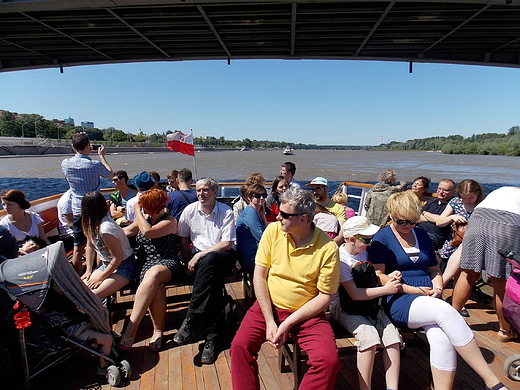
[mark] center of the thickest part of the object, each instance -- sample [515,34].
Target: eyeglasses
[363,239]
[285,215]
[404,222]
[444,189]
[115,179]
[262,195]
[317,189]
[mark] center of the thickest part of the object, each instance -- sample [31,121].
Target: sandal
[123,343]
[505,335]
[155,345]
[498,386]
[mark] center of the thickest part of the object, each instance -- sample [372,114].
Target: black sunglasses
[287,215]
[262,195]
[115,179]
[404,222]
[363,239]
[317,189]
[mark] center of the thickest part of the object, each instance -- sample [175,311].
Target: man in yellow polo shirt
[296,274]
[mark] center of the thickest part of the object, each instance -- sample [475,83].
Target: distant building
[69,121]
[58,122]
[87,125]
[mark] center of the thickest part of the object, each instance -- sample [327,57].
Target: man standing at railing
[82,174]
[296,275]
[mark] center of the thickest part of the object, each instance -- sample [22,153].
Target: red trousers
[314,336]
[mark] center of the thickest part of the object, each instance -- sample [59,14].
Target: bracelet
[438,289]
[424,292]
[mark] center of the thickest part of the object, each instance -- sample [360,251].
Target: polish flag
[182,143]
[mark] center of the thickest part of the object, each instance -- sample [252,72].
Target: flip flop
[155,345]
[124,341]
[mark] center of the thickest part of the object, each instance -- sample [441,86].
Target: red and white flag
[182,143]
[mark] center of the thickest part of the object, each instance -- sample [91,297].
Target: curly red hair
[153,201]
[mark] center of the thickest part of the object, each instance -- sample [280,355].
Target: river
[40,176]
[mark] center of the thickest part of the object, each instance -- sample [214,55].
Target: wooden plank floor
[175,368]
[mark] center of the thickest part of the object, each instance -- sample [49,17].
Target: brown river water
[40,176]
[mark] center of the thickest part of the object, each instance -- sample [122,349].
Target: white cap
[359,225]
[320,181]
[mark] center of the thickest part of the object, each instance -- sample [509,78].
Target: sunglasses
[317,189]
[258,196]
[363,239]
[404,222]
[287,215]
[115,179]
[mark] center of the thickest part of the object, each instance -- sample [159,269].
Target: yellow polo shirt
[296,275]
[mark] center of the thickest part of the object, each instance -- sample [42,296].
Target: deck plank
[173,368]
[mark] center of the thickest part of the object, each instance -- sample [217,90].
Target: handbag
[365,277]
[458,230]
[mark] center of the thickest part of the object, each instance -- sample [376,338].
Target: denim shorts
[125,269]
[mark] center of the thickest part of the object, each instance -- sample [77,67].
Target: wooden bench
[292,358]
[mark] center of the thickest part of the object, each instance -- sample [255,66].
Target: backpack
[229,312]
[365,277]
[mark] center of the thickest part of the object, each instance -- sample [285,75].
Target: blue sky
[321,102]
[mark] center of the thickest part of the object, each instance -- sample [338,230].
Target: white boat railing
[358,191]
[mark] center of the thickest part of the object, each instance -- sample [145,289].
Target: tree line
[36,126]
[507,144]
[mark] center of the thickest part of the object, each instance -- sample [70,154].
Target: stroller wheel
[126,369]
[512,367]
[113,376]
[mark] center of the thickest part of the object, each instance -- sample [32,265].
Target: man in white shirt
[210,226]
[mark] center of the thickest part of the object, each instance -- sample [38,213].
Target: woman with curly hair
[157,262]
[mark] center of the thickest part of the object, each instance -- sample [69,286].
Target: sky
[307,101]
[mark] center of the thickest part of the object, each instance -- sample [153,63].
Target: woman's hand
[94,283]
[395,275]
[436,292]
[426,291]
[459,219]
[86,276]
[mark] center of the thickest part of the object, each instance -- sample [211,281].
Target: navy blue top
[249,231]
[386,249]
[178,202]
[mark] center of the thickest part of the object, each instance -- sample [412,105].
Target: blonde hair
[404,205]
[340,197]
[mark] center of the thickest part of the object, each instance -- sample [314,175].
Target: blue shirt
[249,231]
[83,175]
[386,249]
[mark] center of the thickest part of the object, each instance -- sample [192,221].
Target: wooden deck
[174,367]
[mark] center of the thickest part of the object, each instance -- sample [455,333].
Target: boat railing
[357,193]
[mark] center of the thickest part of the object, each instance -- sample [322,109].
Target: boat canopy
[60,33]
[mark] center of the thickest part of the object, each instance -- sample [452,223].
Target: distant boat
[288,151]
[245,149]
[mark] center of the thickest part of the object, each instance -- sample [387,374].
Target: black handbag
[365,277]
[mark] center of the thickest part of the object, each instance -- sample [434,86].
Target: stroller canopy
[27,278]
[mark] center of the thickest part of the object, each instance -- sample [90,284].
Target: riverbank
[40,150]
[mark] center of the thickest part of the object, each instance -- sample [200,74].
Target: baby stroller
[28,281]
[511,307]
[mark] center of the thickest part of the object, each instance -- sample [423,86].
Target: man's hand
[101,151]
[193,262]
[281,335]
[270,334]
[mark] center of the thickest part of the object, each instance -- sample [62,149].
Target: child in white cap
[369,332]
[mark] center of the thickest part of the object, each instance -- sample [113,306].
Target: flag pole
[194,160]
